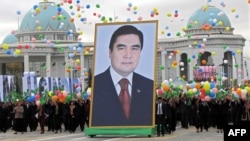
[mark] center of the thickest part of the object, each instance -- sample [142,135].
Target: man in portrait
[121,96]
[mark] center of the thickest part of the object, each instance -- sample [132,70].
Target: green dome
[208,15]
[10,39]
[45,17]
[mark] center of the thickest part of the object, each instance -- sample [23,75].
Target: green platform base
[119,131]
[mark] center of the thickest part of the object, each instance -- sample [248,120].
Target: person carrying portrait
[81,114]
[161,116]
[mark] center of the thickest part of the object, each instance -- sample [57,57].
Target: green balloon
[199,55]
[162,67]
[219,78]
[189,26]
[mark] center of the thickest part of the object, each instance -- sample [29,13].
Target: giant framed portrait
[123,74]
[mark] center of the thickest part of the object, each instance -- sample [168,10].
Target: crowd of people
[24,116]
[202,114]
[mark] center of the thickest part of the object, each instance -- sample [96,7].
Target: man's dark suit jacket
[107,109]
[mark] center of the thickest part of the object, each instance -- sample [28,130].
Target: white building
[209,49]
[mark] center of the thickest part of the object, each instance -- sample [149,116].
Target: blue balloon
[85,95]
[34,7]
[18,12]
[29,99]
[32,98]
[87,6]
[59,9]
[212,95]
[71,55]
[80,45]
[79,49]
[78,89]
[8,52]
[71,47]
[129,4]
[212,85]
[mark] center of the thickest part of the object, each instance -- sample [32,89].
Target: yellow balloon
[38,10]
[174,66]
[77,61]
[190,91]
[233,10]
[238,51]
[81,32]
[228,28]
[184,29]
[169,14]
[196,22]
[181,87]
[204,8]
[5,46]
[135,8]
[50,93]
[213,53]
[86,53]
[18,51]
[155,10]
[162,32]
[220,23]
[39,28]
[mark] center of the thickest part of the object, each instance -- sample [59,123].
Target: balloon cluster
[169,89]
[59,96]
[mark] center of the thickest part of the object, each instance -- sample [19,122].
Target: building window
[60,37]
[39,68]
[26,38]
[48,37]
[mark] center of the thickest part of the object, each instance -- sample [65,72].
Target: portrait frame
[103,33]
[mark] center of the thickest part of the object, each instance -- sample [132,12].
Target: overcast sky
[238,12]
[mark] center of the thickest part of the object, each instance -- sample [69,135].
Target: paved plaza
[180,134]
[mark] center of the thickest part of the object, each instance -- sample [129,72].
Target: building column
[178,74]
[26,62]
[191,68]
[82,66]
[163,72]
[66,59]
[48,64]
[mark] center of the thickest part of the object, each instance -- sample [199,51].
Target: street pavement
[180,134]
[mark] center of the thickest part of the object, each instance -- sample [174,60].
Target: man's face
[126,53]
